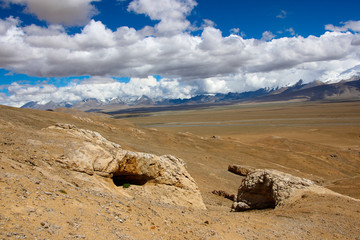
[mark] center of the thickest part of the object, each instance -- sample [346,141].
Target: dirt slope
[42,200]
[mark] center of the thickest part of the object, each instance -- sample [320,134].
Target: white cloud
[68,12]
[98,51]
[107,88]
[101,88]
[210,62]
[282,14]
[235,30]
[171,13]
[346,26]
[291,31]
[267,35]
[208,23]
[356,40]
[10,22]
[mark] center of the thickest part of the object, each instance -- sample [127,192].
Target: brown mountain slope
[42,199]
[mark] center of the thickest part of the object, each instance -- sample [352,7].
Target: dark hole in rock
[130,179]
[260,197]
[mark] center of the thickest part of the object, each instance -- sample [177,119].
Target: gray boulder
[267,189]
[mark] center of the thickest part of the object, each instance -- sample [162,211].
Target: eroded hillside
[41,198]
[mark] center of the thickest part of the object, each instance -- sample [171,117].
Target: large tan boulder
[144,167]
[265,188]
[162,177]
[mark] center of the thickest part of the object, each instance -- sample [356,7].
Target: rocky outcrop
[224,194]
[89,152]
[267,189]
[241,170]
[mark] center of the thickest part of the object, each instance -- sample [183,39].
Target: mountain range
[313,91]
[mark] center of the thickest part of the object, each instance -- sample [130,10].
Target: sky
[71,50]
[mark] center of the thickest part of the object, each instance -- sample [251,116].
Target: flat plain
[315,134]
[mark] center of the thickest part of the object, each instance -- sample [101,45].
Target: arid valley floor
[320,141]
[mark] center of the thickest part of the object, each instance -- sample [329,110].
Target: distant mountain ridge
[313,91]
[49,105]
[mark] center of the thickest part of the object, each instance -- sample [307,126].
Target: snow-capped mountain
[316,90]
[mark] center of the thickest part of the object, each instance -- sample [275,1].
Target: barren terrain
[40,199]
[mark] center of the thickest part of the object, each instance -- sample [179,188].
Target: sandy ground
[42,200]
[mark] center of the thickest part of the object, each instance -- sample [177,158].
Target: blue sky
[251,17]
[70,50]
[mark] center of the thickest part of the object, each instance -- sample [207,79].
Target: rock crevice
[91,153]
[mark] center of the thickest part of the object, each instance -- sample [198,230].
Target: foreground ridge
[97,155]
[76,175]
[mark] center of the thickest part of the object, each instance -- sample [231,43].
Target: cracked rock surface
[165,176]
[265,188]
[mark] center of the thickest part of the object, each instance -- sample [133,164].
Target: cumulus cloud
[346,26]
[356,41]
[171,13]
[208,62]
[208,23]
[236,31]
[99,51]
[102,88]
[68,12]
[267,35]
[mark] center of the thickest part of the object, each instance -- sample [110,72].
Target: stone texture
[224,194]
[240,206]
[267,189]
[241,170]
[165,169]
[91,153]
